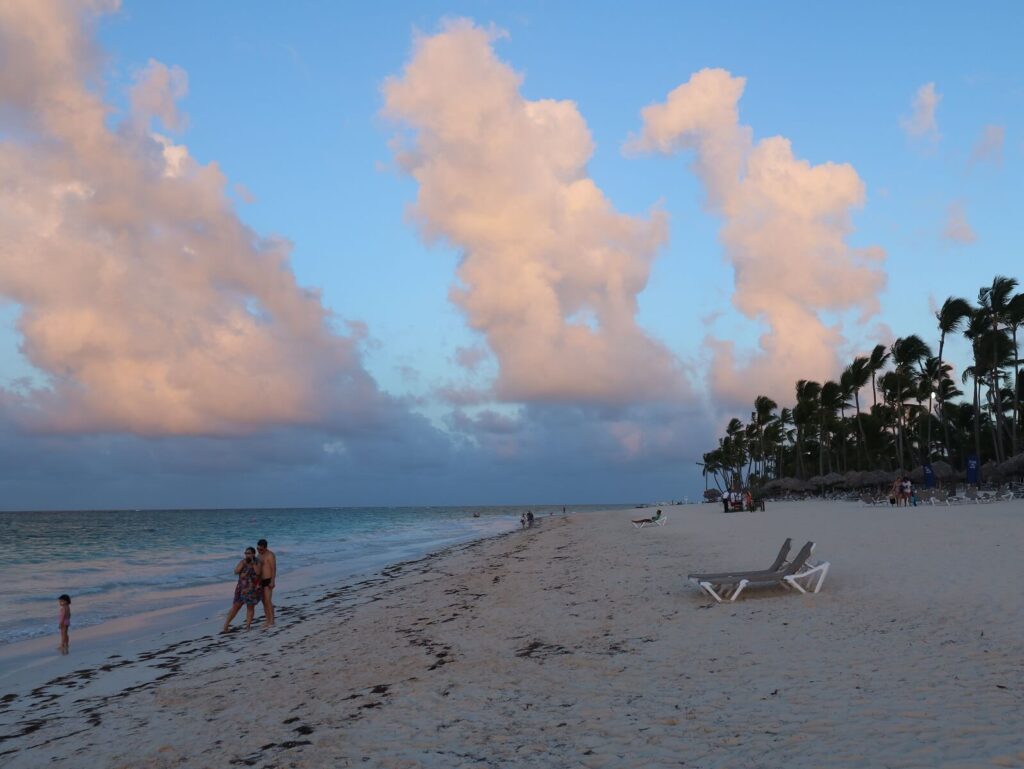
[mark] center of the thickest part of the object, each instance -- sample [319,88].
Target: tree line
[917,412]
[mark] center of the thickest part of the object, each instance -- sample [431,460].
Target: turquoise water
[116,563]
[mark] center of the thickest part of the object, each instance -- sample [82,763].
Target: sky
[467,253]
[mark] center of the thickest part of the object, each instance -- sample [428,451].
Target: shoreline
[182,612]
[581,644]
[32,665]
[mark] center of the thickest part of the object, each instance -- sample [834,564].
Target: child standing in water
[64,621]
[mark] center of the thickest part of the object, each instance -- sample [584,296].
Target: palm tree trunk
[995,404]
[1016,396]
[842,435]
[821,446]
[977,424]
[799,453]
[945,432]
[863,436]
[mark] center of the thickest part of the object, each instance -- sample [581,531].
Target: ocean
[121,563]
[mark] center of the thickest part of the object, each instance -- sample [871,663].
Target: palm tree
[764,408]
[934,373]
[995,302]
[1015,319]
[976,324]
[804,414]
[951,317]
[830,400]
[857,375]
[876,362]
[907,353]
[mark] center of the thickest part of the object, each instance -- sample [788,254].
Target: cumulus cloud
[956,228]
[989,146]
[550,271]
[785,229]
[148,304]
[921,123]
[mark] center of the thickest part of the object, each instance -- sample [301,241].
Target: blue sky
[287,101]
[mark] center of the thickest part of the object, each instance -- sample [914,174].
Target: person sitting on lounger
[653,519]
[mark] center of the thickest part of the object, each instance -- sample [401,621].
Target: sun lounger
[973,495]
[777,565]
[729,587]
[657,520]
[871,501]
[940,497]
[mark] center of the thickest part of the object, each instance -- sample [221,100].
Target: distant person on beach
[904,495]
[64,622]
[522,521]
[529,518]
[247,591]
[268,574]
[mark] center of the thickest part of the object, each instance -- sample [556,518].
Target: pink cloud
[989,146]
[921,122]
[956,228]
[146,301]
[470,357]
[550,271]
[785,226]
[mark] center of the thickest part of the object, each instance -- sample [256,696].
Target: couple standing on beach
[257,578]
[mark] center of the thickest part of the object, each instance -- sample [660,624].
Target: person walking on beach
[268,574]
[247,591]
[529,518]
[64,622]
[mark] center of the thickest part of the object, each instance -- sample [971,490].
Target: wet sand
[579,643]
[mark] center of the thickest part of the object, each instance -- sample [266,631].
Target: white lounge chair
[724,587]
[973,495]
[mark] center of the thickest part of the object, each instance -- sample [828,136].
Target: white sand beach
[580,643]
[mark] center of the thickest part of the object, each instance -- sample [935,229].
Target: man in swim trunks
[268,572]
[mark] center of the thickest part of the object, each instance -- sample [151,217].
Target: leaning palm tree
[876,362]
[951,317]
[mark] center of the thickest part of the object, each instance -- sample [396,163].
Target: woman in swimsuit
[248,591]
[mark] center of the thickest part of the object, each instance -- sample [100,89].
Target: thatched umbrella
[1012,466]
[775,483]
[817,480]
[990,469]
[917,474]
[854,478]
[792,484]
[877,476]
[833,478]
[942,469]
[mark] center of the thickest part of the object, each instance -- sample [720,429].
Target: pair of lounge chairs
[727,586]
[658,519]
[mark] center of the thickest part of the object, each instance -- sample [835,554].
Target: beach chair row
[944,497]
